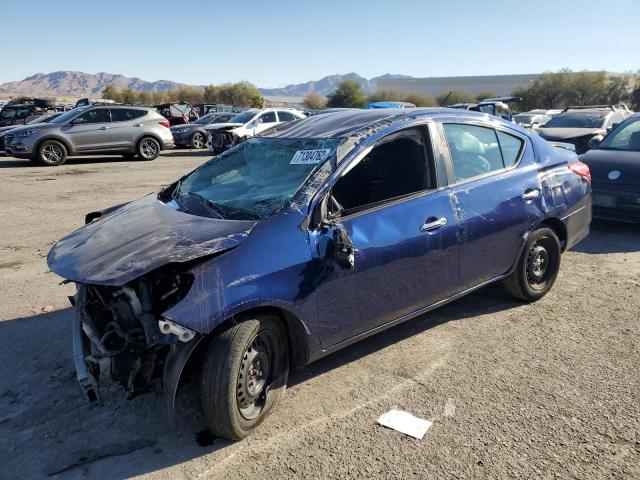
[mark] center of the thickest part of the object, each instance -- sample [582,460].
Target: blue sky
[272,43]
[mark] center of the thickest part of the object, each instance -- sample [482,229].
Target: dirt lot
[514,390]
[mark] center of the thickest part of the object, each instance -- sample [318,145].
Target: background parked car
[222,136]
[23,110]
[578,125]
[45,118]
[498,107]
[615,170]
[193,134]
[178,113]
[531,120]
[93,130]
[83,102]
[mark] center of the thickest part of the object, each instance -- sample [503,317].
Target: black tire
[51,153]
[148,149]
[244,375]
[537,268]
[198,141]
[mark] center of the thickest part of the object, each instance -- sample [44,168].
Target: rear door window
[124,114]
[269,117]
[285,116]
[478,150]
[474,150]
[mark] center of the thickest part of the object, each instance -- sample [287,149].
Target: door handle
[531,194]
[433,223]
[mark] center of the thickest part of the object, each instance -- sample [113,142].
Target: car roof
[356,122]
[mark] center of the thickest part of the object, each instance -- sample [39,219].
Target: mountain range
[79,84]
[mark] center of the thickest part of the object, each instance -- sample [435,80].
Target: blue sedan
[310,237]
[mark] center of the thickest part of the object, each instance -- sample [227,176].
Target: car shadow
[12,162]
[187,153]
[610,237]
[42,408]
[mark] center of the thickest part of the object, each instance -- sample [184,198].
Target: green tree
[212,94]
[421,100]
[349,94]
[455,96]
[551,89]
[620,89]
[635,95]
[130,96]
[111,93]
[528,99]
[588,88]
[314,101]
[386,96]
[240,94]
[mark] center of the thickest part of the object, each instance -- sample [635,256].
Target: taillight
[581,169]
[165,123]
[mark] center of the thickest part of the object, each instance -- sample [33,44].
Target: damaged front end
[222,139]
[119,331]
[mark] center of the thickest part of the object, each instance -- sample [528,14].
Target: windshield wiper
[208,203]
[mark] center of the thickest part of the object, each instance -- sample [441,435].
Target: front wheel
[537,268]
[51,153]
[197,140]
[244,375]
[148,149]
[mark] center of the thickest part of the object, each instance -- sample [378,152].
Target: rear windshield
[254,179]
[577,120]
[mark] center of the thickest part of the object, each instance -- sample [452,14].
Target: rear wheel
[244,375]
[537,267]
[148,149]
[197,140]
[51,153]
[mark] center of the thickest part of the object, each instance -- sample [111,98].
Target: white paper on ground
[405,423]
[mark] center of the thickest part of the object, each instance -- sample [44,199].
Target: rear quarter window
[511,147]
[124,114]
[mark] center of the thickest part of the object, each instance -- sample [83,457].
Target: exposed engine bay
[119,332]
[222,139]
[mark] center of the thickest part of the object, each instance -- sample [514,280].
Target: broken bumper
[117,335]
[80,352]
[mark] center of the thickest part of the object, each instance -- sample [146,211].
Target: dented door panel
[397,268]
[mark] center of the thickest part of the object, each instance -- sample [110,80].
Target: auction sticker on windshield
[306,157]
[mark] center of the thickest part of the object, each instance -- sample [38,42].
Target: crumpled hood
[138,238]
[567,133]
[218,126]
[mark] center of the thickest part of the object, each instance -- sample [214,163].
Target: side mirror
[342,248]
[594,141]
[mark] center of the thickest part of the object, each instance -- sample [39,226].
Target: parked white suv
[221,136]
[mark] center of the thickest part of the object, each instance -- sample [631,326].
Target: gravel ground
[514,390]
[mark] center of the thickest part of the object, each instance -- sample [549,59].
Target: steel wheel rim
[198,141]
[255,376]
[52,153]
[149,149]
[539,264]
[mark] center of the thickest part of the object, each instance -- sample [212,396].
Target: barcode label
[306,157]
